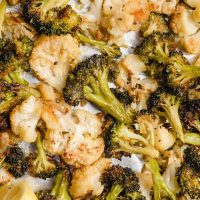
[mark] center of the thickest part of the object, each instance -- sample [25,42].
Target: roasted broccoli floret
[190,115]
[51,16]
[90,81]
[156,23]
[111,50]
[119,182]
[180,73]
[160,189]
[188,175]
[167,105]
[41,165]
[123,139]
[188,180]
[156,47]
[14,161]
[192,157]
[23,46]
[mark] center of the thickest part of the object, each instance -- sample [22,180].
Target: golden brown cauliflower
[24,119]
[73,134]
[53,57]
[166,7]
[182,21]
[191,43]
[16,27]
[87,179]
[122,16]
[13,2]
[5,176]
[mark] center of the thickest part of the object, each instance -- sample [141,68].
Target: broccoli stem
[100,94]
[60,189]
[192,138]
[158,182]
[16,77]
[3,6]
[196,124]
[171,106]
[103,46]
[114,192]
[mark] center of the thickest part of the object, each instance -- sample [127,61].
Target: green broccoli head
[180,74]
[119,182]
[90,81]
[23,46]
[190,115]
[41,165]
[51,16]
[188,175]
[167,105]
[156,23]
[123,139]
[156,47]
[160,189]
[14,161]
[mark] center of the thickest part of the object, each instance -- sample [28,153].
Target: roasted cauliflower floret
[131,66]
[16,27]
[24,119]
[120,16]
[53,57]
[74,135]
[5,176]
[191,43]
[166,7]
[196,14]
[84,153]
[163,139]
[182,21]
[87,179]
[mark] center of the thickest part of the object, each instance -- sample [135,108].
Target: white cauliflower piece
[84,153]
[182,21]
[163,139]
[24,119]
[7,138]
[5,176]
[84,145]
[122,16]
[165,7]
[191,43]
[130,66]
[16,27]
[53,57]
[54,140]
[87,179]
[74,135]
